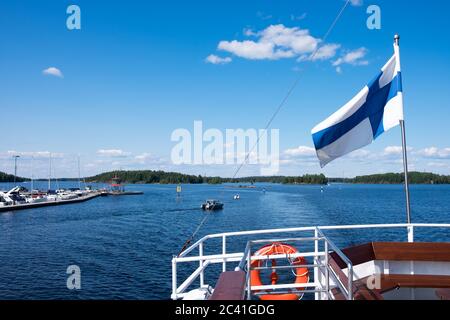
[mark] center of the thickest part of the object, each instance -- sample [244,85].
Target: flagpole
[404,148]
[405,168]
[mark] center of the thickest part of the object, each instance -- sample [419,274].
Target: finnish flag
[375,109]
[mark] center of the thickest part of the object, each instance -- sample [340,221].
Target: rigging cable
[277,110]
[188,241]
[291,89]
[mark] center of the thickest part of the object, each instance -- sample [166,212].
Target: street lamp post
[15,168]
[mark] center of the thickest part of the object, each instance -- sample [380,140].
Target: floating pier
[118,189]
[124,193]
[24,206]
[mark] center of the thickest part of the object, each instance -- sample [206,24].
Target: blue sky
[138,70]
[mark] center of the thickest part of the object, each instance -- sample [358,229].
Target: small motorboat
[5,200]
[236,197]
[14,196]
[212,205]
[67,195]
[36,198]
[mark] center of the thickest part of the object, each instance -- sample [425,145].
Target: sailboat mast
[79,173]
[32,173]
[49,171]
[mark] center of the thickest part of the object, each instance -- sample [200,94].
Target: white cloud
[212,58]
[296,39]
[297,18]
[393,150]
[249,32]
[264,16]
[356,3]
[325,52]
[148,158]
[274,42]
[434,152]
[300,152]
[354,57]
[281,42]
[113,153]
[52,71]
[252,50]
[360,154]
[34,154]
[429,152]
[438,164]
[143,156]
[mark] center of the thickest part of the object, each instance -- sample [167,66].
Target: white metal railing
[321,265]
[317,235]
[347,289]
[299,289]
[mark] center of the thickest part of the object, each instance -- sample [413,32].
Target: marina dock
[124,193]
[19,198]
[24,206]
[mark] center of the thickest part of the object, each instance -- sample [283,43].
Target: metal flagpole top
[397,39]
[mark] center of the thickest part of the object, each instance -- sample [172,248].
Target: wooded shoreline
[162,177]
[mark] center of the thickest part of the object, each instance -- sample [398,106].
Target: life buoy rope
[301,273]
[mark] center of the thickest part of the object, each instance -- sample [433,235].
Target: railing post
[327,271]
[410,233]
[174,279]
[249,266]
[202,273]
[317,295]
[224,252]
[350,282]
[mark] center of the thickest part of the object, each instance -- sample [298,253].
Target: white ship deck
[419,270]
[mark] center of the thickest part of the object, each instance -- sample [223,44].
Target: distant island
[414,177]
[4,177]
[162,177]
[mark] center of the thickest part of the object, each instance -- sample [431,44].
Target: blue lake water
[124,245]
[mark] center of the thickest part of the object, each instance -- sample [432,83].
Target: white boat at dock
[19,198]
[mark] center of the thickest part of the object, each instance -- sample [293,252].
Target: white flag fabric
[375,109]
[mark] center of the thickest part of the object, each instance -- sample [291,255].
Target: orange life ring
[301,273]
